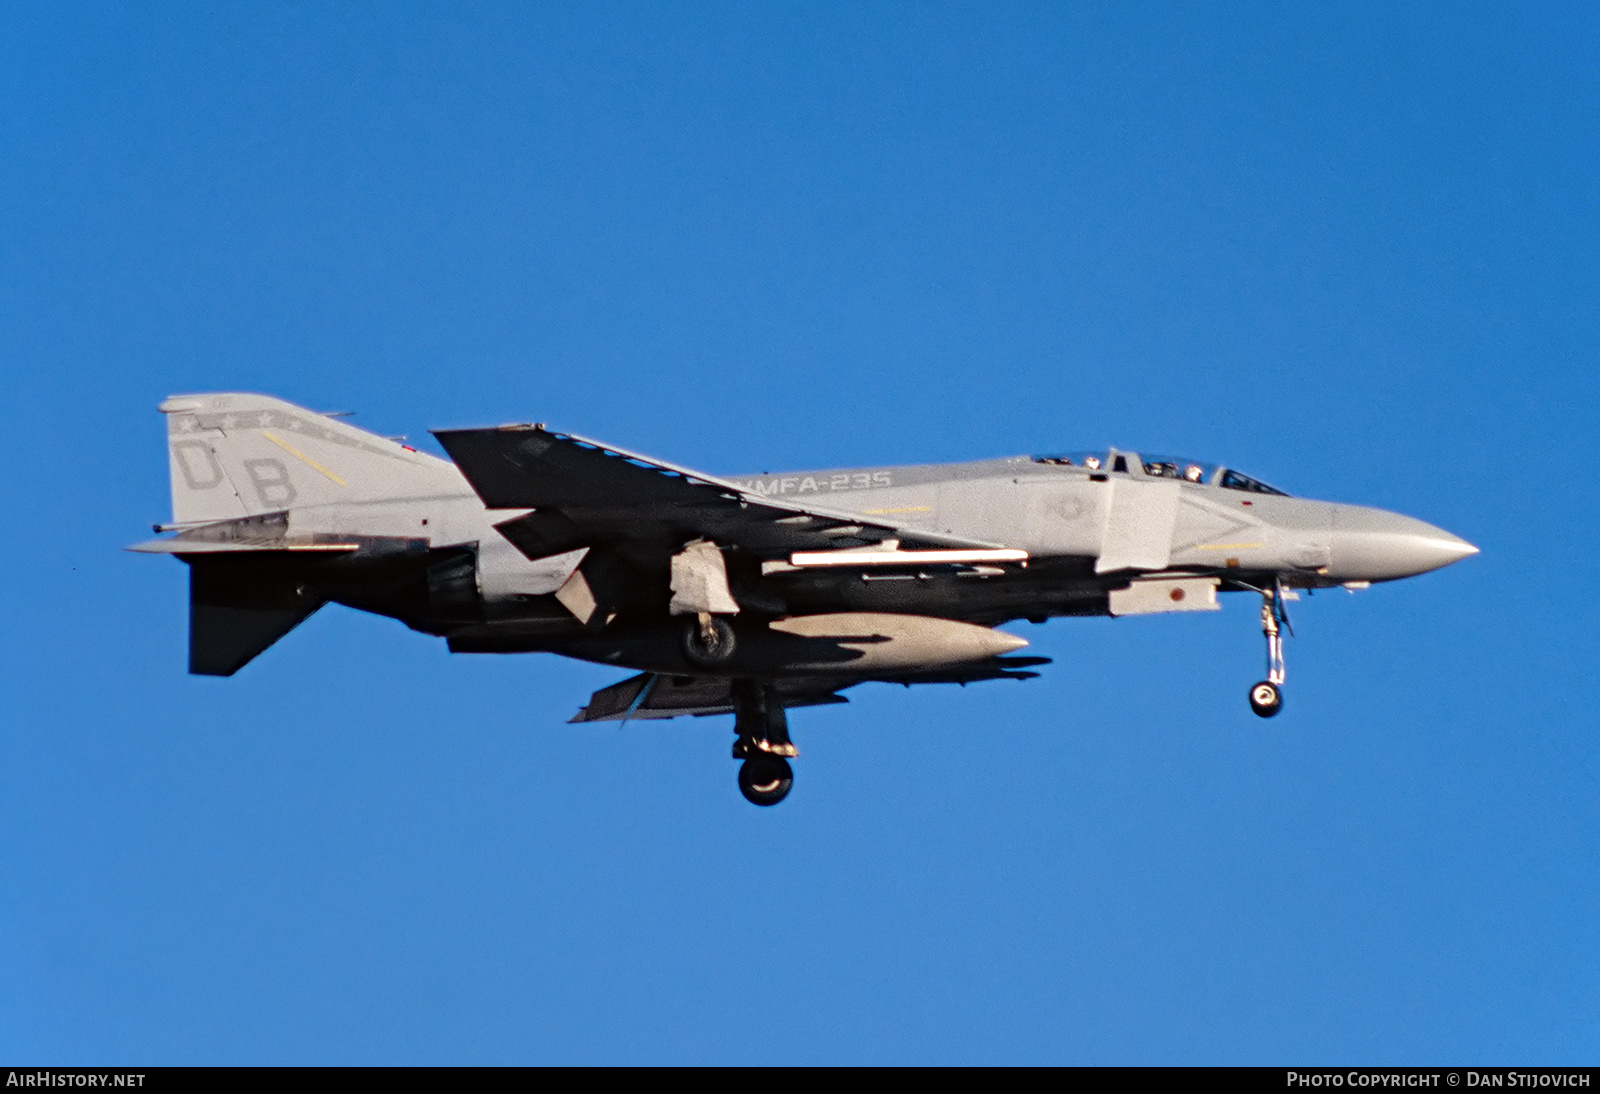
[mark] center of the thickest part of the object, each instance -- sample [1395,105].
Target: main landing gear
[763,743]
[708,641]
[765,780]
[1266,697]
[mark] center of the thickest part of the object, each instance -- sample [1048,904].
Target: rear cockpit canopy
[1198,472]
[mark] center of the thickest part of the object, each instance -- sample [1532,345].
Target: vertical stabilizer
[238,455]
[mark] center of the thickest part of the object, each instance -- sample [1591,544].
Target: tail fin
[238,455]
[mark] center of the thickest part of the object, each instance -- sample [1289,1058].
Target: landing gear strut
[1266,697]
[763,743]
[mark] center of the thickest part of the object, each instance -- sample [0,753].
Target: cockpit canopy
[1163,467]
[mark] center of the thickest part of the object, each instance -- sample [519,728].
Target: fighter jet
[743,594]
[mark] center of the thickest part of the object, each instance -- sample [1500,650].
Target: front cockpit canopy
[1198,472]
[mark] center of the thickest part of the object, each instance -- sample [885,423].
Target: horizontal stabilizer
[177,545]
[236,612]
[262,532]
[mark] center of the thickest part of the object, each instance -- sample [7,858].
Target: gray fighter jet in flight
[746,594]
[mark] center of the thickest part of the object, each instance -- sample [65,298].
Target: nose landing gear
[1266,697]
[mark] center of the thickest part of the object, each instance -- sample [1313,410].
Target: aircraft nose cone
[1375,545]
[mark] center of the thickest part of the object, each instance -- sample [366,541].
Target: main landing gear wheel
[708,641]
[1266,699]
[765,780]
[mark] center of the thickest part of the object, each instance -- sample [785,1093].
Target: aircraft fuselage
[751,594]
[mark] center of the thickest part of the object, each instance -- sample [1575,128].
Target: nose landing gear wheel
[765,780]
[1266,699]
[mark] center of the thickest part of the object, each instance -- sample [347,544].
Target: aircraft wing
[648,697]
[998,668]
[586,493]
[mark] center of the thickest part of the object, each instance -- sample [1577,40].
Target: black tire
[1266,699]
[765,780]
[713,654]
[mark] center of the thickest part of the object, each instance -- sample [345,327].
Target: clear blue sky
[1348,248]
